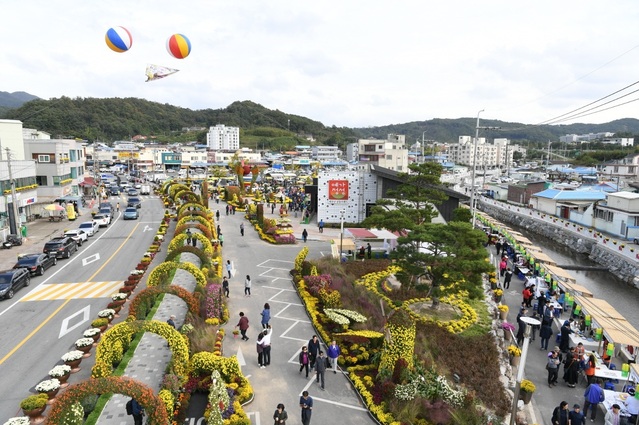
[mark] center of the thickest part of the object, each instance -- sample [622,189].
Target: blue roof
[572,195]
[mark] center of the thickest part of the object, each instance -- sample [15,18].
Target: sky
[348,63]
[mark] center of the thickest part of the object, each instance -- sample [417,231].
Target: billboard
[338,190]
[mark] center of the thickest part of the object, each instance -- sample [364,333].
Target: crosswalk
[75,290]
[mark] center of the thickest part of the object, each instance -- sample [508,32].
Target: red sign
[338,190]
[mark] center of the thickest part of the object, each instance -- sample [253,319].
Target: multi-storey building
[391,153]
[222,137]
[326,153]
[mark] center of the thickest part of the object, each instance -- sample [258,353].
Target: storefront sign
[338,190]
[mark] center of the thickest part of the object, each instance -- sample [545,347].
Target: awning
[347,244]
[359,233]
[88,181]
[560,273]
[541,257]
[615,327]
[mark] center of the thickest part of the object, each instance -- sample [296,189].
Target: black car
[61,247]
[134,202]
[12,280]
[114,191]
[36,263]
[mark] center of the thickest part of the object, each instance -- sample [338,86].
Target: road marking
[147,228]
[257,417]
[74,290]
[240,357]
[65,329]
[337,403]
[90,259]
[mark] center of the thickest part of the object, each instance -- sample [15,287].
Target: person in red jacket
[243,324]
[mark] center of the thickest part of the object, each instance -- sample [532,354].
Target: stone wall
[622,267]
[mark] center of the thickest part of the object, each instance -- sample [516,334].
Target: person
[137,412]
[193,240]
[229,267]
[521,330]
[589,368]
[545,333]
[333,353]
[217,214]
[503,265]
[227,209]
[313,348]
[498,246]
[320,225]
[541,303]
[304,360]
[260,350]
[553,369]
[613,416]
[242,229]
[219,229]
[266,315]
[225,286]
[369,251]
[526,297]
[592,397]
[564,342]
[247,286]
[171,321]
[632,406]
[306,403]
[243,324]
[188,236]
[320,369]
[280,416]
[220,237]
[362,252]
[304,235]
[117,207]
[580,350]
[266,345]
[507,278]
[575,417]
[560,414]
[571,369]
[273,208]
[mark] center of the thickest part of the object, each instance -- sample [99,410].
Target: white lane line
[279,289]
[337,403]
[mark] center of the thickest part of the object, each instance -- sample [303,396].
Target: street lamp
[341,233]
[472,183]
[423,141]
[530,322]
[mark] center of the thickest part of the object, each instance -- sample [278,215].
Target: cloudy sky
[346,63]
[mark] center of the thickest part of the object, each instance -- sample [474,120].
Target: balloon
[118,39]
[178,46]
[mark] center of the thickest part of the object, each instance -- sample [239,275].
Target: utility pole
[13,222]
[472,180]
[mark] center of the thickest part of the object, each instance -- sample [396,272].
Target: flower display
[119,296]
[48,385]
[72,356]
[91,332]
[106,313]
[502,307]
[84,342]
[59,371]
[18,420]
[498,292]
[507,326]
[527,386]
[514,351]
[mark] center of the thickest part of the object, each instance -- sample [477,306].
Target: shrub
[34,402]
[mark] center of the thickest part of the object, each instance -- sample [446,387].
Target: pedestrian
[280,416]
[503,265]
[225,286]
[220,237]
[613,416]
[592,397]
[266,315]
[227,209]
[545,333]
[526,295]
[137,411]
[217,215]
[333,353]
[498,246]
[171,321]
[589,368]
[632,406]
[575,417]
[188,236]
[304,360]
[571,369]
[306,403]
[320,368]
[313,349]
[564,342]
[304,235]
[560,414]
[233,209]
[273,208]
[117,207]
[507,277]
[229,268]
[219,229]
[243,324]
[260,350]
[193,240]
[553,369]
[266,345]
[320,225]
[242,229]
[247,286]
[369,251]
[522,326]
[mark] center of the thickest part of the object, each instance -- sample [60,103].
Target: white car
[103,220]
[79,236]
[90,227]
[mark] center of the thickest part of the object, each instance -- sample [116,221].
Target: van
[145,189]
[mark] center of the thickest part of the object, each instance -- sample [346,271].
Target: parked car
[79,236]
[145,189]
[138,186]
[36,263]
[108,212]
[62,247]
[12,280]
[134,202]
[91,227]
[132,192]
[131,213]
[103,220]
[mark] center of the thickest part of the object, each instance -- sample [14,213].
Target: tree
[462,214]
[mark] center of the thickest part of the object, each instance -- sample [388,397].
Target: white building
[499,154]
[348,191]
[222,137]
[24,176]
[326,153]
[621,141]
[391,153]
[11,138]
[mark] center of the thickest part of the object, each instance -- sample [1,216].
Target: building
[621,141]
[222,137]
[23,173]
[391,153]
[11,138]
[584,138]
[562,202]
[326,153]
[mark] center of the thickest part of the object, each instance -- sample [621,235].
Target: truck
[145,189]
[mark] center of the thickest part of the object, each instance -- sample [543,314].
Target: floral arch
[192,302]
[159,274]
[153,406]
[179,240]
[205,259]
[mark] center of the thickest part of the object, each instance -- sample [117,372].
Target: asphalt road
[43,321]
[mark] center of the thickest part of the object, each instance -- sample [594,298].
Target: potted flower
[84,345]
[33,406]
[503,311]
[18,420]
[493,283]
[107,313]
[100,323]
[498,293]
[93,333]
[527,389]
[50,387]
[73,358]
[235,333]
[508,328]
[515,354]
[119,298]
[61,373]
